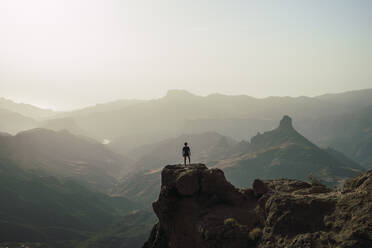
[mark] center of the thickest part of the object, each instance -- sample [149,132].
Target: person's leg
[189,160]
[184,158]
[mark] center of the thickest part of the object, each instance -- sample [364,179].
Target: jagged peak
[284,133]
[286,122]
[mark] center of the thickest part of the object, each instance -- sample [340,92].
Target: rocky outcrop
[198,207]
[286,122]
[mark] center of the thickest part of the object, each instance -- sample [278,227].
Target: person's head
[185,143]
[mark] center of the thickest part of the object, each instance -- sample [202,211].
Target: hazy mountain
[143,183]
[205,147]
[66,120]
[26,109]
[5,134]
[182,112]
[352,134]
[133,123]
[284,153]
[142,186]
[65,155]
[67,123]
[349,133]
[357,98]
[13,123]
[130,231]
[43,175]
[57,213]
[101,107]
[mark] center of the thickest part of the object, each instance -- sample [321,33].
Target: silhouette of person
[186,153]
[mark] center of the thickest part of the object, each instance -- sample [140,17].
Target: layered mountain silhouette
[349,133]
[280,153]
[205,147]
[143,183]
[356,98]
[99,108]
[53,190]
[65,155]
[64,189]
[52,212]
[180,112]
[67,123]
[132,123]
[12,122]
[285,153]
[25,109]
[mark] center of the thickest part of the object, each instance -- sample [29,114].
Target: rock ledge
[198,207]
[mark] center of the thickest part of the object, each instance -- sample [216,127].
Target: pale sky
[72,53]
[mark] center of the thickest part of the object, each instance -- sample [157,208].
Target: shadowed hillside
[52,211]
[65,155]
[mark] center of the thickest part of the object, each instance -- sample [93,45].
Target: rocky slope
[198,207]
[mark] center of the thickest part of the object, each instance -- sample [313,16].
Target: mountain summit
[285,153]
[286,122]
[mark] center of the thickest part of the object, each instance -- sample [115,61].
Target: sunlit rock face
[198,207]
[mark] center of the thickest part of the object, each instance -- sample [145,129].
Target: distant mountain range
[280,153]
[179,112]
[25,109]
[12,122]
[239,117]
[132,123]
[65,155]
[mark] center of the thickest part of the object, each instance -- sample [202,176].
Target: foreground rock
[197,207]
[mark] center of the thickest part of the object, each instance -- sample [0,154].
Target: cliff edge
[198,207]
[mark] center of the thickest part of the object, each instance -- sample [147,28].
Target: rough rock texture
[197,207]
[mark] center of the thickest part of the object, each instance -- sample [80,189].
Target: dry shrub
[230,221]
[255,234]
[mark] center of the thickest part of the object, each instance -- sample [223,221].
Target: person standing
[186,153]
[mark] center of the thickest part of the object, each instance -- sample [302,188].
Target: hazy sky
[71,53]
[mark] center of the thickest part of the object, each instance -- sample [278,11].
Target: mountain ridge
[284,152]
[64,155]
